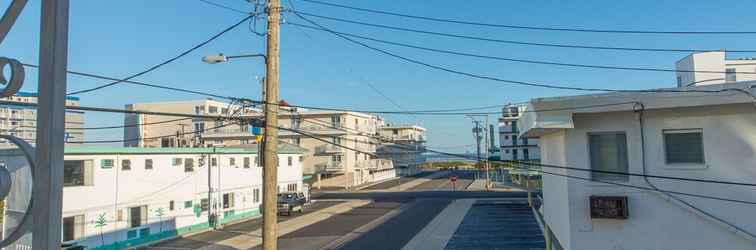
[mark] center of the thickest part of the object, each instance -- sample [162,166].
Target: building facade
[404,145]
[718,69]
[513,147]
[121,197]
[673,134]
[190,132]
[21,121]
[350,165]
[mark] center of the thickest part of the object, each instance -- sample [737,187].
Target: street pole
[488,150]
[270,159]
[51,110]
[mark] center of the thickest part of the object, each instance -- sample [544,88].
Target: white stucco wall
[654,221]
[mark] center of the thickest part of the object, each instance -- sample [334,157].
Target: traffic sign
[453,178]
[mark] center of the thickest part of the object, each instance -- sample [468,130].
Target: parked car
[291,202]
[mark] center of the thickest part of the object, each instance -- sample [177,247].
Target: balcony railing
[226,132]
[376,164]
[328,149]
[331,166]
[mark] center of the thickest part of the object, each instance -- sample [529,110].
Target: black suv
[291,202]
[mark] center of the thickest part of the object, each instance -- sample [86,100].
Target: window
[506,137]
[289,161]
[177,161]
[514,140]
[336,158]
[213,162]
[608,152]
[187,204]
[335,121]
[395,131]
[147,163]
[506,151]
[73,228]
[204,205]
[224,111]
[679,81]
[730,75]
[107,163]
[199,126]
[683,146]
[246,162]
[125,164]
[291,187]
[77,173]
[297,141]
[232,161]
[514,154]
[212,109]
[170,205]
[188,165]
[514,127]
[336,140]
[256,195]
[526,154]
[228,200]
[524,141]
[301,158]
[296,122]
[257,161]
[137,216]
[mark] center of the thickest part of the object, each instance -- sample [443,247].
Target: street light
[213,59]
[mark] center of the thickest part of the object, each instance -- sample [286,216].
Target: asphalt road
[203,239]
[398,181]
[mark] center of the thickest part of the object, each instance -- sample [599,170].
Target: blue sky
[119,38]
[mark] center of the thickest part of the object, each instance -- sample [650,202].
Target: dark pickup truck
[291,202]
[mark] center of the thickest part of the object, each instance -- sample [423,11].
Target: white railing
[328,149]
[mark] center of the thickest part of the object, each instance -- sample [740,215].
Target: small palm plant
[100,223]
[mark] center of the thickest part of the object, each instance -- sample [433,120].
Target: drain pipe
[638,108]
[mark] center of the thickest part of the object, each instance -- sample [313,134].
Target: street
[395,219]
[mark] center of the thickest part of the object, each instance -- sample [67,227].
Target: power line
[101,77]
[225,7]
[182,54]
[177,134]
[491,78]
[520,60]
[131,125]
[543,28]
[516,42]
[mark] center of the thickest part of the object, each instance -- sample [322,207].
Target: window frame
[149,164]
[125,164]
[590,161]
[683,131]
[189,165]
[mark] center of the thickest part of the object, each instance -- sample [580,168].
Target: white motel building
[122,197]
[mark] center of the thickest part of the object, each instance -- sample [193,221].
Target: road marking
[338,243]
[437,233]
[418,181]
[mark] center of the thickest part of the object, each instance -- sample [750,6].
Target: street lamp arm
[246,56]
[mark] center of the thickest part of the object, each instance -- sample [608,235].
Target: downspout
[638,108]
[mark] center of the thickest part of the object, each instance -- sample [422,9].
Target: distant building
[718,69]
[345,166]
[512,146]
[676,134]
[189,132]
[122,197]
[404,145]
[21,121]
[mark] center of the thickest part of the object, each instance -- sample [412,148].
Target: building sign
[608,207]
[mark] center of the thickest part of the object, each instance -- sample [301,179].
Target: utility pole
[488,150]
[270,159]
[476,131]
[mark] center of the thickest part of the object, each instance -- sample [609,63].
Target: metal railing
[328,149]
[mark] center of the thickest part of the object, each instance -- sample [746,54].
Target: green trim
[283,149]
[177,232]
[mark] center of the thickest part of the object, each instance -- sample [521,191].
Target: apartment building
[190,132]
[404,145]
[512,146]
[714,68]
[122,197]
[21,121]
[339,166]
[673,134]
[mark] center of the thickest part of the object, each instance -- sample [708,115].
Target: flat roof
[76,150]
[547,114]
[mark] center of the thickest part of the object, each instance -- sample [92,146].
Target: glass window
[73,228]
[170,205]
[335,121]
[289,161]
[525,154]
[147,163]
[137,216]
[232,161]
[77,173]
[296,122]
[730,75]
[177,161]
[213,162]
[187,204]
[684,146]
[256,195]
[228,200]
[188,165]
[212,109]
[125,164]
[107,163]
[608,152]
[246,162]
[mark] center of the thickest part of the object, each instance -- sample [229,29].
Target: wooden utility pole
[270,159]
